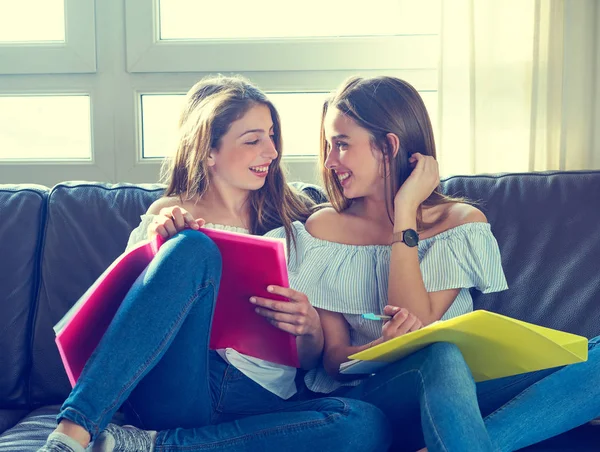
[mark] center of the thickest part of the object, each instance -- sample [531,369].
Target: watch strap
[398,237]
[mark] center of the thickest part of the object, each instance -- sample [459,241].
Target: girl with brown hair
[154,359]
[392,243]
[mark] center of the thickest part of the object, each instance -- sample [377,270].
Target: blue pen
[371,316]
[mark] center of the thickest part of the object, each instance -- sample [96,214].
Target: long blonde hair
[383,105]
[211,106]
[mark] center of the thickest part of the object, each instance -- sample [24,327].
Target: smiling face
[351,157]
[245,152]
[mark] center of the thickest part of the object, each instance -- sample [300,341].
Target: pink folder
[250,264]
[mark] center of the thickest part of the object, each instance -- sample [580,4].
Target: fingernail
[195,226]
[270,289]
[252,300]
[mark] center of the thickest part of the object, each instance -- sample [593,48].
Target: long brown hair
[211,106]
[383,105]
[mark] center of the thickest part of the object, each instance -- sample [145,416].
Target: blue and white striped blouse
[353,279]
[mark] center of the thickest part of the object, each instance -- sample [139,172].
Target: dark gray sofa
[55,242]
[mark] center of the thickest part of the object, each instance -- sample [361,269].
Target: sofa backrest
[22,213]
[547,226]
[548,229]
[87,227]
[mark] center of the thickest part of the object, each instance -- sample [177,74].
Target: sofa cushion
[30,434]
[87,227]
[548,229]
[23,208]
[9,417]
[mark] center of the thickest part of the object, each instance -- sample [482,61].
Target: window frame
[50,160]
[77,54]
[147,53]
[101,165]
[114,92]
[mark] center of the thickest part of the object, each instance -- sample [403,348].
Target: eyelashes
[255,142]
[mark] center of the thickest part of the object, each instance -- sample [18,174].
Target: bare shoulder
[325,224]
[460,213]
[162,203]
[455,214]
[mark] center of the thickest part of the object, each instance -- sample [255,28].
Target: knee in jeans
[445,353]
[192,245]
[369,427]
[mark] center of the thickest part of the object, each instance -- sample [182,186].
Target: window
[45,128]
[123,118]
[17,24]
[296,52]
[271,19]
[160,114]
[270,35]
[47,36]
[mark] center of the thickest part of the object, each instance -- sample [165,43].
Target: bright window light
[45,128]
[160,116]
[32,21]
[300,115]
[235,19]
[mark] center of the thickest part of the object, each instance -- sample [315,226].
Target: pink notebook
[250,264]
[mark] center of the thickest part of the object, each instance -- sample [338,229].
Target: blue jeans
[431,394]
[526,409]
[430,398]
[154,360]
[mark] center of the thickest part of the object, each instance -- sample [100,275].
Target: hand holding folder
[250,264]
[493,346]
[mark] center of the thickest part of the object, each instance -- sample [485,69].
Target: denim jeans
[431,399]
[154,359]
[526,409]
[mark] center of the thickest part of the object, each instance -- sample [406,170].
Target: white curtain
[518,86]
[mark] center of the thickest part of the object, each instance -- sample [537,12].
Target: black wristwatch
[409,237]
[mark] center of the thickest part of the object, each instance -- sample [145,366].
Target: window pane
[193,19]
[32,20]
[45,128]
[160,115]
[300,115]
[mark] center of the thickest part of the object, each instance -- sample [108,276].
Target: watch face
[410,237]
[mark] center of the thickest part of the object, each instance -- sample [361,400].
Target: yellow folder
[493,345]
